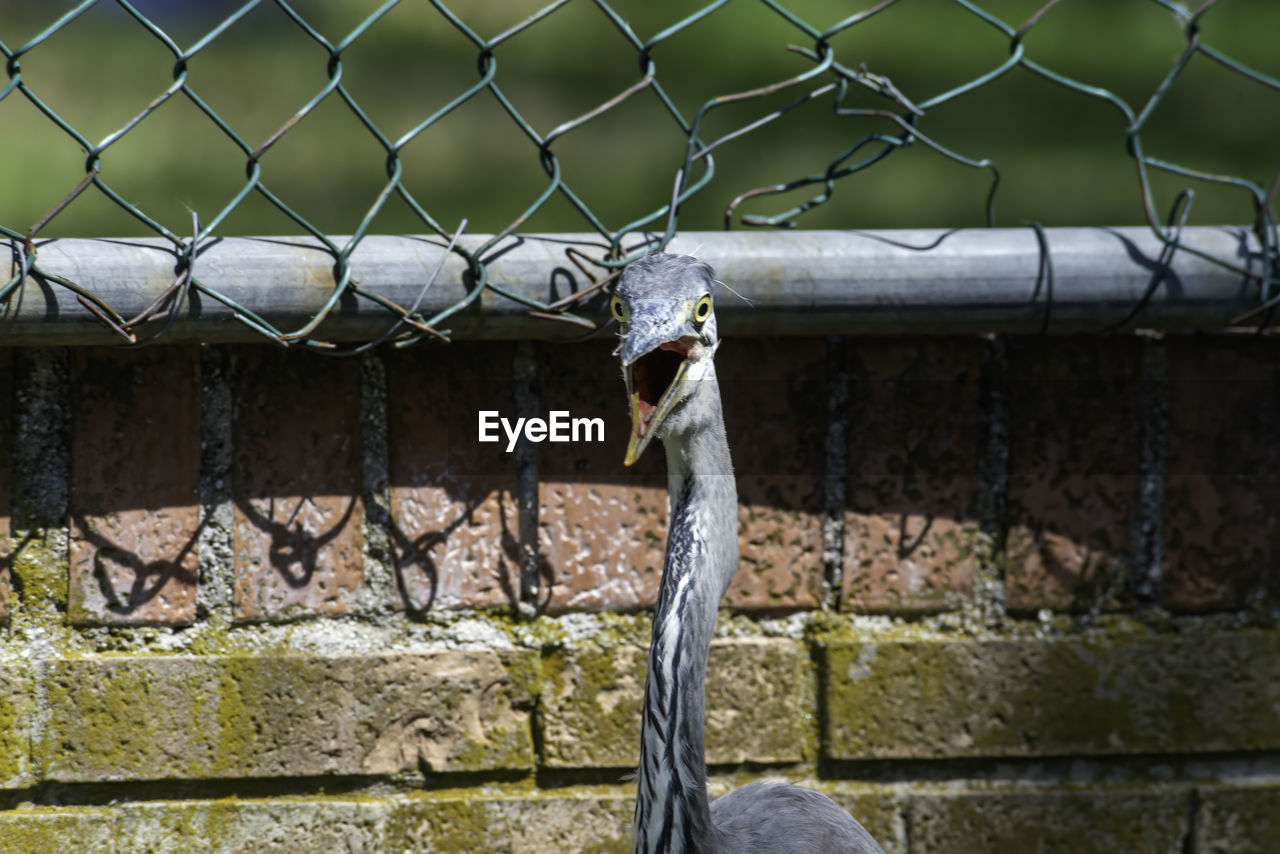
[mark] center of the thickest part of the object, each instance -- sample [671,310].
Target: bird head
[663,303]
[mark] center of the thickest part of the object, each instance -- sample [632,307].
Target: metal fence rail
[195,274]
[784,283]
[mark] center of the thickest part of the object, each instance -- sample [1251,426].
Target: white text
[557,427]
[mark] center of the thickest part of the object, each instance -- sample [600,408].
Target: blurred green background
[1062,155]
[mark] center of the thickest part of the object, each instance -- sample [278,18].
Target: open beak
[655,384]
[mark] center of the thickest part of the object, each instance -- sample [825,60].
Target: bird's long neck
[672,810]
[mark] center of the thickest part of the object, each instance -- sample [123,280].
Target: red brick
[602,526]
[775,411]
[603,543]
[296,483]
[1075,451]
[1222,501]
[453,504]
[6,453]
[134,485]
[911,487]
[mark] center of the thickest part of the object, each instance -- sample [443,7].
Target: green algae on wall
[39,561]
[590,708]
[1050,822]
[1103,694]
[47,830]
[187,717]
[126,718]
[17,713]
[760,703]
[580,822]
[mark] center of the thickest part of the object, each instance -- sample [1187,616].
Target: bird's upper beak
[655,366]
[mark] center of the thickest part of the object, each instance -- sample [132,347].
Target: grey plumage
[669,340]
[784,819]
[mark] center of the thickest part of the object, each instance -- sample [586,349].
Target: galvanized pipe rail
[796,282]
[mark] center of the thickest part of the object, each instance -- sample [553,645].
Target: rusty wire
[827,78]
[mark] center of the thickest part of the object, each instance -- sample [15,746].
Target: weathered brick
[1222,493]
[1072,822]
[1108,695]
[17,722]
[6,490]
[297,484]
[517,823]
[134,490]
[40,459]
[593,821]
[1075,432]
[182,717]
[314,826]
[603,544]
[453,504]
[597,819]
[911,488]
[311,826]
[1238,819]
[479,824]
[44,830]
[602,526]
[775,411]
[760,700]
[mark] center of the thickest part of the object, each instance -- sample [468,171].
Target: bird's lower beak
[655,384]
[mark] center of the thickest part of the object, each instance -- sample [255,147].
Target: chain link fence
[828,80]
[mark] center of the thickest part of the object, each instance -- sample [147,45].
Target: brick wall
[996,595]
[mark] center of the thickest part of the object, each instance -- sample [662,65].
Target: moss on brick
[48,830]
[1124,693]
[235,739]
[582,821]
[1238,819]
[112,721]
[591,706]
[1048,822]
[314,825]
[17,710]
[760,703]
[317,825]
[439,825]
[39,560]
[167,717]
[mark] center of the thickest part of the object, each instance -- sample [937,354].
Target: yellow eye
[619,309]
[702,310]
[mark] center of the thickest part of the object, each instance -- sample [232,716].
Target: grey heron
[664,305]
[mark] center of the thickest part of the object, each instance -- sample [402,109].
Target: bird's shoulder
[779,818]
